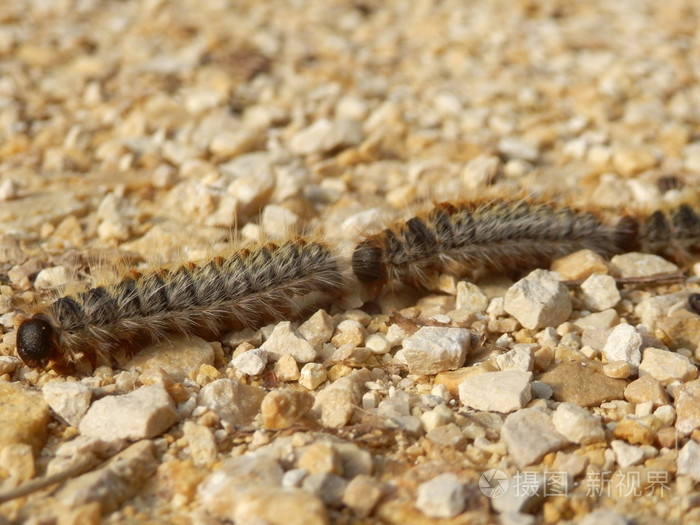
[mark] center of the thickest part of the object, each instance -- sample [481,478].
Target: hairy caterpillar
[473,238]
[245,289]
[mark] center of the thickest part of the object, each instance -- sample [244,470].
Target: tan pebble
[667,437]
[362,494]
[582,383]
[580,265]
[633,432]
[349,332]
[283,408]
[286,369]
[312,375]
[17,459]
[320,458]
[646,388]
[453,378]
[24,416]
[688,407]
[318,329]
[630,160]
[617,369]
[86,514]
[179,478]
[201,442]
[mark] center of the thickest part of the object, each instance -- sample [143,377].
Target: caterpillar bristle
[244,290]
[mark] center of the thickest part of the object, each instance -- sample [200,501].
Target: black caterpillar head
[36,341]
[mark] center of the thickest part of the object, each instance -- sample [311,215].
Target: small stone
[577,424]
[9,189]
[538,300]
[69,400]
[580,265]
[349,332]
[481,171]
[284,340]
[518,149]
[688,462]
[626,455]
[201,443]
[283,408]
[318,329]
[177,357]
[497,391]
[252,362]
[17,460]
[220,491]
[378,344]
[286,369]
[278,506]
[630,160]
[119,480]
[688,407]
[53,277]
[312,375]
[448,435]
[24,416]
[641,265]
[320,458]
[434,349]
[633,431]
[583,383]
[529,434]
[328,487]
[362,494]
[337,402]
[656,308]
[600,292]
[453,378]
[143,413]
[617,369]
[519,358]
[520,496]
[667,366]
[278,222]
[682,328]
[441,497]
[645,389]
[325,135]
[470,298]
[623,344]
[235,403]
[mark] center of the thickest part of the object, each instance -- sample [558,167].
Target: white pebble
[538,300]
[519,358]
[312,375]
[284,340]
[434,349]
[441,497]
[623,344]
[251,362]
[470,298]
[577,424]
[600,292]
[496,391]
[52,277]
[667,366]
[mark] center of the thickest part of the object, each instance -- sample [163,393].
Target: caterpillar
[248,288]
[497,236]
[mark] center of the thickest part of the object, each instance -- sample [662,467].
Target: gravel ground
[135,134]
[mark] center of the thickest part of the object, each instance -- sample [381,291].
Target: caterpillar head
[36,341]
